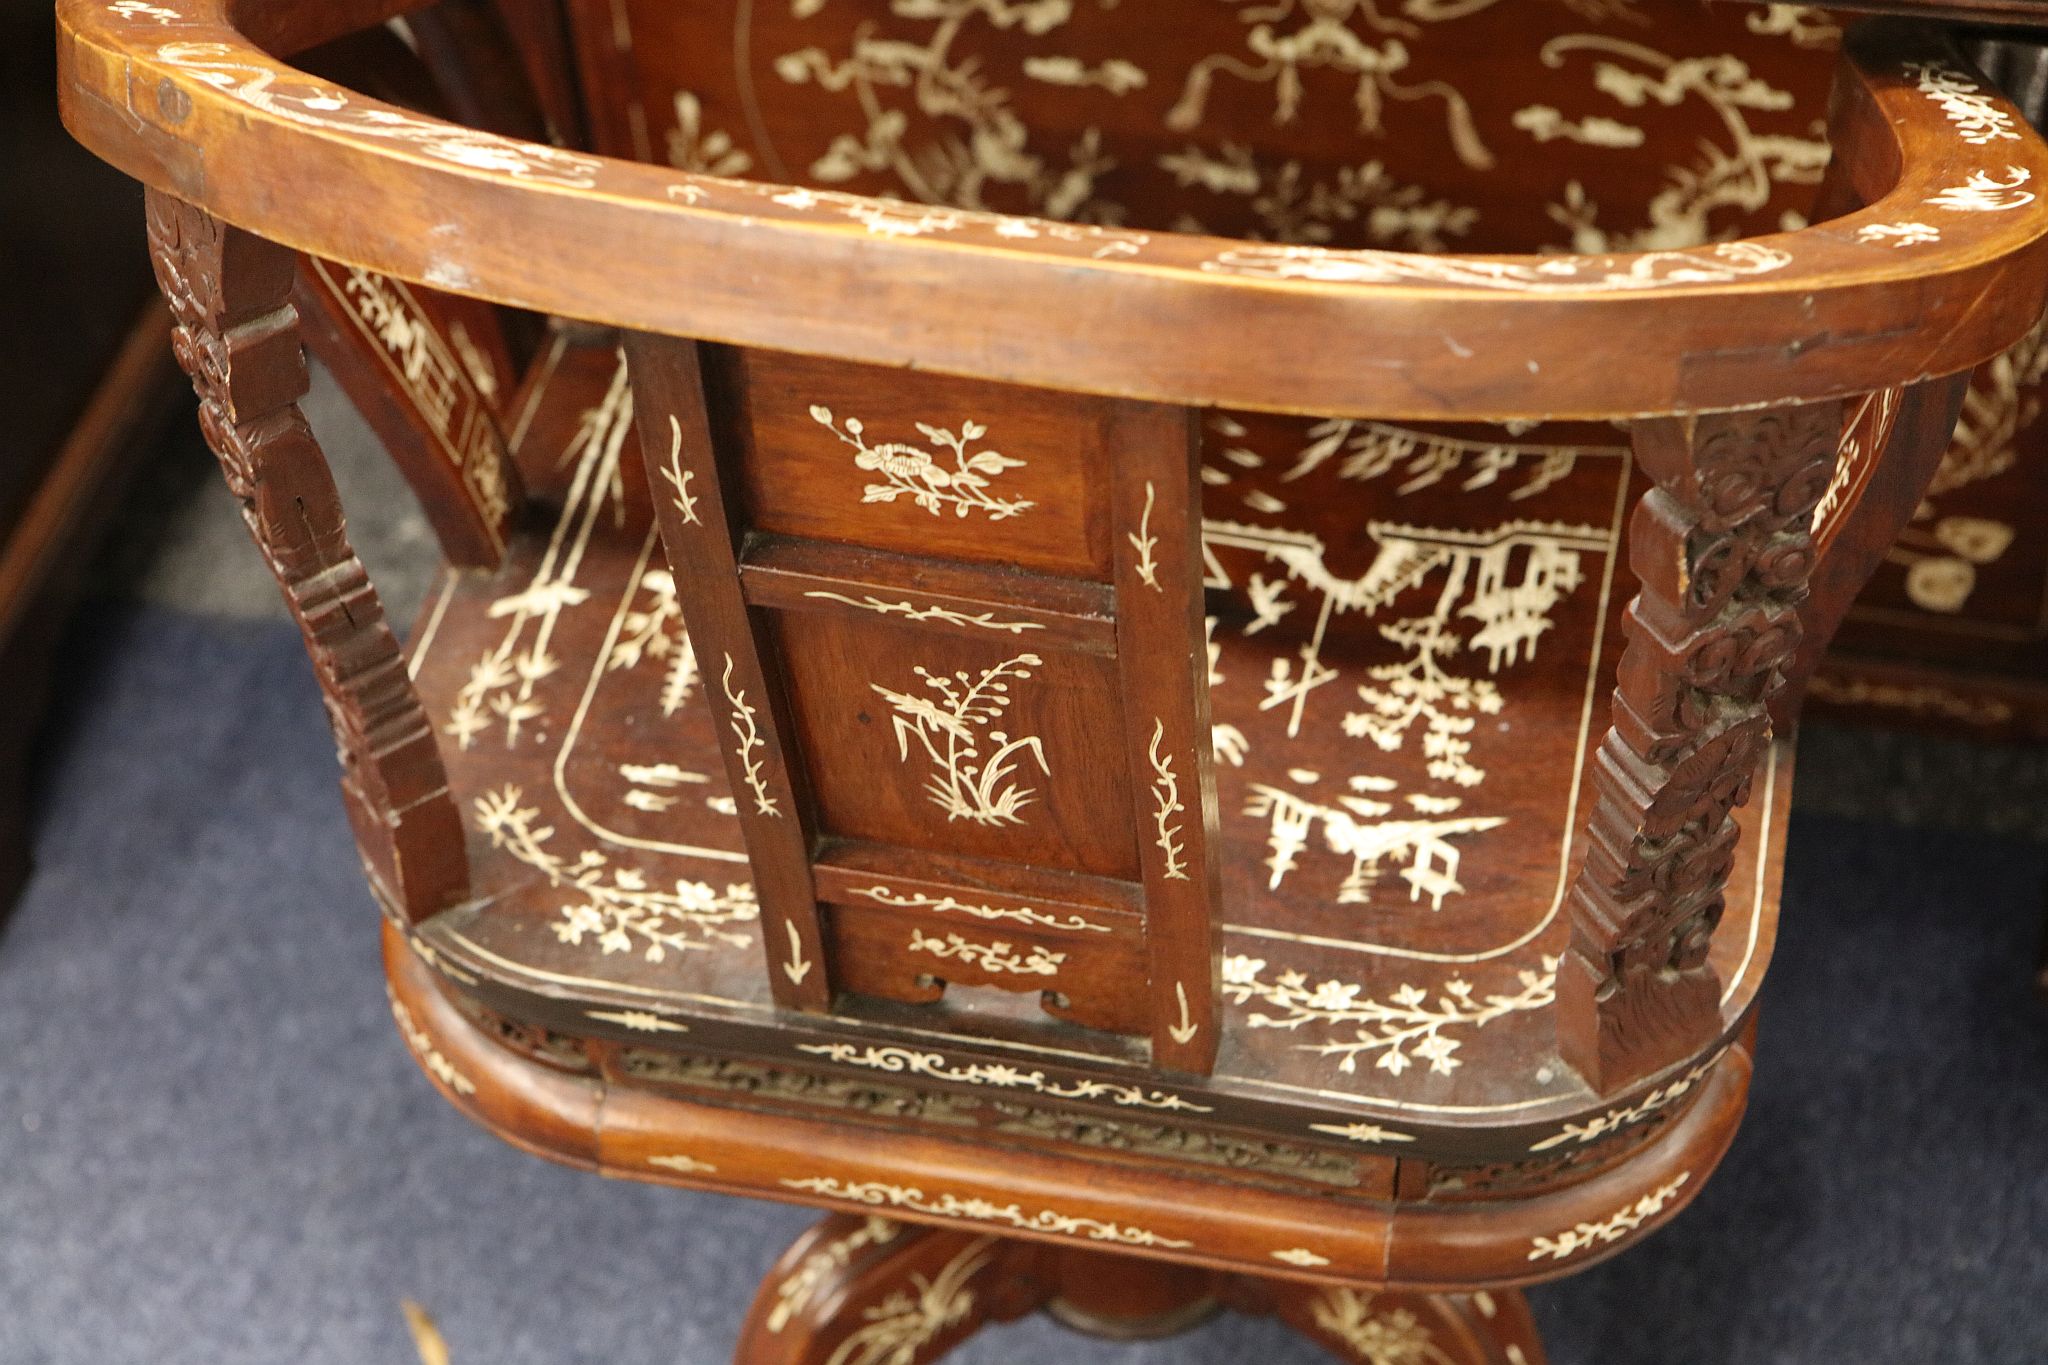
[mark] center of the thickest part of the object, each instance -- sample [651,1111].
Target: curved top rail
[1945,269]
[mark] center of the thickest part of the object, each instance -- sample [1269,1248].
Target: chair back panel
[956,628]
[1500,125]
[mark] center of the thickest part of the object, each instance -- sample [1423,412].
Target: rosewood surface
[779,811]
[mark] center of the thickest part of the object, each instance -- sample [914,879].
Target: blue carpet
[213,1147]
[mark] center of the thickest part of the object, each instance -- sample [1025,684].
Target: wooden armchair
[1025,760]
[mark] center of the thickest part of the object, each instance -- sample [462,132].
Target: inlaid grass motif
[954,726]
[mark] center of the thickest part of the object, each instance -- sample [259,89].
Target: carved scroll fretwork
[238,337]
[1724,548]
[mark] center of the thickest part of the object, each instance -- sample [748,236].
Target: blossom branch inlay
[947,904]
[879,1194]
[617,907]
[1611,1229]
[747,738]
[911,471]
[997,1075]
[911,612]
[1403,1029]
[998,959]
[1166,804]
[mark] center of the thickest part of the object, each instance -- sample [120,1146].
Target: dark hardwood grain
[1070,737]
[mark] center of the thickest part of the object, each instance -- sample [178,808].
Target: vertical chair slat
[1164,672]
[698,529]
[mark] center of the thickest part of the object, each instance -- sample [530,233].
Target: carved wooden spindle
[1724,549]
[238,337]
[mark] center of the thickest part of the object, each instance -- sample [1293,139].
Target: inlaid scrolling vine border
[975,1208]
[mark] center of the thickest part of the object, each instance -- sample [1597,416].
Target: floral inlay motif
[1735,181]
[692,147]
[1942,554]
[910,611]
[652,628]
[1722,263]
[1373,450]
[796,1291]
[449,385]
[1898,234]
[501,687]
[1395,1337]
[615,907]
[997,959]
[949,905]
[889,218]
[1323,38]
[746,736]
[1610,1229]
[975,143]
[1969,106]
[1985,193]
[952,726]
[998,1075]
[1508,581]
[913,472]
[901,1325]
[422,1044]
[1166,805]
[1805,25]
[880,1194]
[1614,1120]
[1293,207]
[316,104]
[1402,1030]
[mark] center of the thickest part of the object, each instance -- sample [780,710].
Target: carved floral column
[238,337]
[1724,549]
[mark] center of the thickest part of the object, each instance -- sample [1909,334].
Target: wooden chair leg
[868,1291]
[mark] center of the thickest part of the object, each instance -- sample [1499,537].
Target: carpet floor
[214,1148]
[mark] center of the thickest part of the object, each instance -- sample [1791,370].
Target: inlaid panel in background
[1490,127]
[1953,631]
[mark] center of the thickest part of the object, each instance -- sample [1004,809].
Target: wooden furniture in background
[89,389]
[704,814]
[1952,633]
